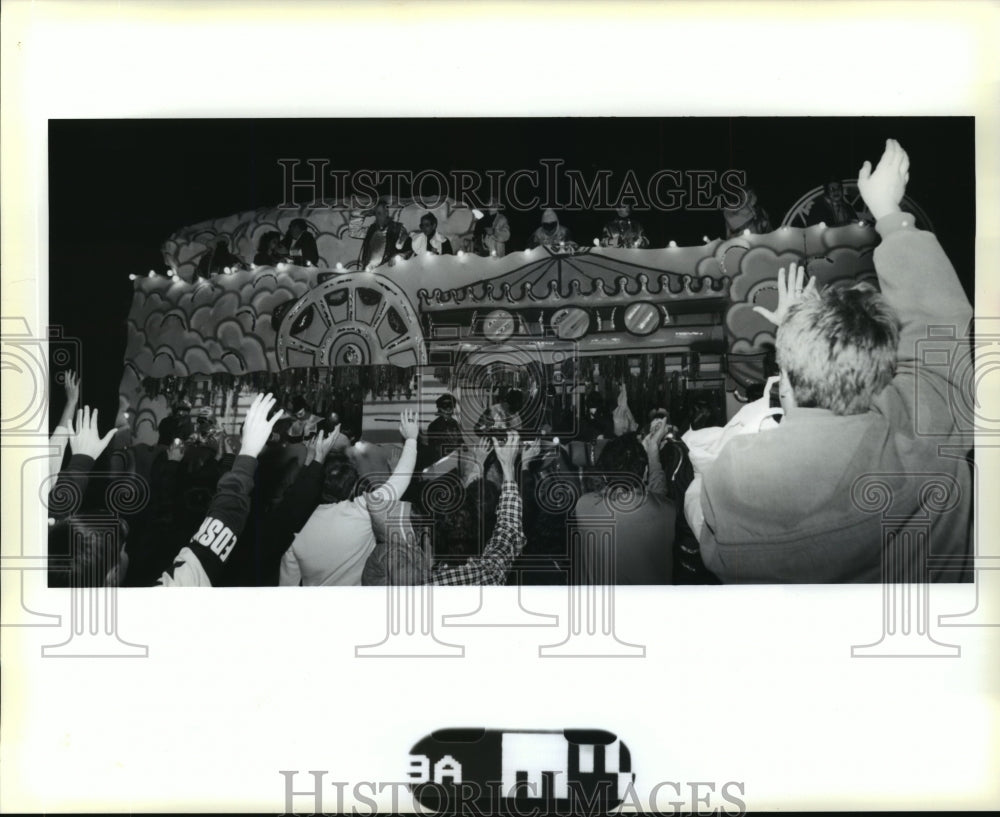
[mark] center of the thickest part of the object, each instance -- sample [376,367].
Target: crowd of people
[776,495]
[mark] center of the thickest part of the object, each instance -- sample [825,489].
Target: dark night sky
[118,188]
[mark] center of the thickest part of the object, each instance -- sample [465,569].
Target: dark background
[119,188]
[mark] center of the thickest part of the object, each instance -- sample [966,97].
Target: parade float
[667,321]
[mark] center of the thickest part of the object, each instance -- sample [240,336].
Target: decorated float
[669,322]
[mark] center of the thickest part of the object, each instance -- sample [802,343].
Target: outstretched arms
[201,562]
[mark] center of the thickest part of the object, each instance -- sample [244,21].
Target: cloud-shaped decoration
[246,316]
[756,346]
[145,304]
[759,264]
[163,363]
[843,264]
[135,339]
[198,361]
[249,349]
[748,330]
[708,267]
[265,302]
[226,306]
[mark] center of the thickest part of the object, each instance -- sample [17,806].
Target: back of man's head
[623,454]
[340,478]
[839,350]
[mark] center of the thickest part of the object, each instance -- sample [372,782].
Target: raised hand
[321,445]
[657,432]
[507,453]
[83,436]
[257,427]
[72,385]
[531,451]
[790,292]
[409,425]
[882,189]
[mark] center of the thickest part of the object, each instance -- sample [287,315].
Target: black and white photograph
[529,408]
[572,328]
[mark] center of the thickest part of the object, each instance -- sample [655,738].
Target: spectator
[444,433]
[403,564]
[384,239]
[332,547]
[780,506]
[634,499]
[428,240]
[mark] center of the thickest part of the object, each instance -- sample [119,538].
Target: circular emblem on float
[642,318]
[498,325]
[570,323]
[352,319]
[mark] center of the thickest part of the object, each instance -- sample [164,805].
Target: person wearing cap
[551,233]
[624,231]
[444,432]
[491,232]
[384,239]
[428,240]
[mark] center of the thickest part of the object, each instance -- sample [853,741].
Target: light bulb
[151,274]
[672,244]
[704,238]
[131,276]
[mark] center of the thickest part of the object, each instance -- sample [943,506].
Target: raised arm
[507,540]
[85,445]
[396,485]
[656,479]
[916,277]
[201,562]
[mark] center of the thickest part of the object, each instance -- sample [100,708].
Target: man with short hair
[385,238]
[790,504]
[333,546]
[633,498]
[832,209]
[428,240]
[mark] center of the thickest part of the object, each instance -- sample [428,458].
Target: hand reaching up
[507,454]
[409,425]
[321,445]
[882,189]
[257,427]
[72,385]
[83,436]
[790,292]
[657,432]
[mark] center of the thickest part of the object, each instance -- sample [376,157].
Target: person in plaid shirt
[507,541]
[406,562]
